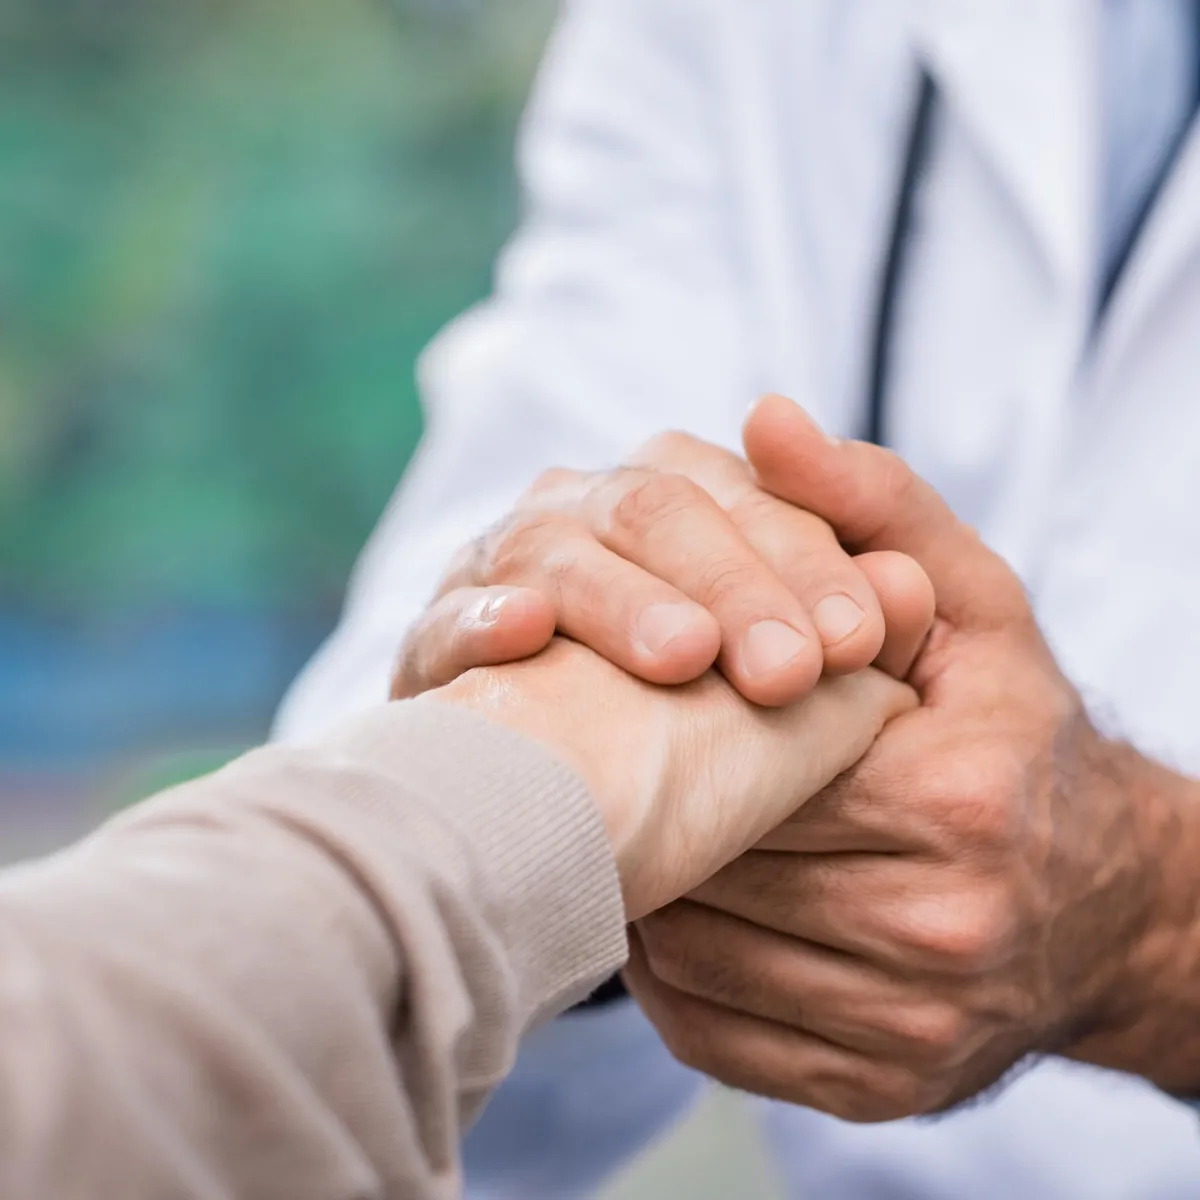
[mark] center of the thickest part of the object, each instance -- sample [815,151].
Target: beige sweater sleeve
[301,976]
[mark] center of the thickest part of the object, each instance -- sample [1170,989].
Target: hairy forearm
[1149,1020]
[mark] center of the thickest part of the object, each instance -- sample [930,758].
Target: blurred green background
[227,227]
[226,230]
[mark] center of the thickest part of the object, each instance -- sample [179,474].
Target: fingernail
[486,610]
[660,624]
[769,646]
[837,617]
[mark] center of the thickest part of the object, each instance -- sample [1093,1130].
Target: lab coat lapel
[1169,245]
[1021,76]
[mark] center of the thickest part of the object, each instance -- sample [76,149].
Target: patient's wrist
[594,733]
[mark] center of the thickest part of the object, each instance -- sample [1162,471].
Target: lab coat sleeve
[618,311]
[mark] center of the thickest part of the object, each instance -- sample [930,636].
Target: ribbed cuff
[540,861]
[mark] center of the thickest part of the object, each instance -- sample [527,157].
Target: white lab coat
[710,184]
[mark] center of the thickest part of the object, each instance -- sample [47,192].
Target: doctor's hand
[665,566]
[994,879]
[685,778]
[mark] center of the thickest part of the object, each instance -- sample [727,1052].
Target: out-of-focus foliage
[226,229]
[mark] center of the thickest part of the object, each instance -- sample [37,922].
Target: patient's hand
[665,566]
[685,778]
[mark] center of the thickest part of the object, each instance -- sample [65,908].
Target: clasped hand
[878,908]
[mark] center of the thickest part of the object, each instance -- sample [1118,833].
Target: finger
[907,600]
[636,620]
[768,1058]
[878,907]
[668,525]
[743,769]
[869,809]
[800,548]
[874,501]
[849,816]
[840,998]
[714,956]
[471,627]
[801,749]
[842,901]
[807,556]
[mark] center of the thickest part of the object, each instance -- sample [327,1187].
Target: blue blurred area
[226,230]
[76,695]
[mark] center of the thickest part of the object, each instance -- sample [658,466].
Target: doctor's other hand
[685,778]
[994,879]
[667,565]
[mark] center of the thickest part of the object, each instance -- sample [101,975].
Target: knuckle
[755,1076]
[597,592]
[893,1094]
[898,482]
[406,681]
[462,568]
[688,1039]
[935,1032]
[680,958]
[670,446]
[768,883]
[871,1093]
[781,530]
[807,535]
[412,673]
[645,498]
[851,1093]
[551,480]
[662,944]
[961,935]
[514,544]
[704,1043]
[1064,711]
[763,887]
[691,456]
[725,578]
[976,799]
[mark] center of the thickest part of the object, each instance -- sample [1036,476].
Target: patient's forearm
[299,976]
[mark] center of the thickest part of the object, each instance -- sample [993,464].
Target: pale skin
[702,773]
[994,879]
[686,779]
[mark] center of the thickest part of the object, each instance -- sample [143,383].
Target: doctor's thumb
[874,501]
